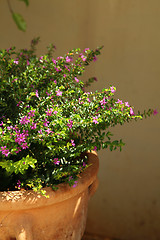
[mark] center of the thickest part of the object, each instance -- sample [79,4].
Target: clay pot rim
[16,200]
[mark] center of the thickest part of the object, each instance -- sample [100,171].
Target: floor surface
[88,236]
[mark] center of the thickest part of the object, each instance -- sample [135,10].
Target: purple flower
[72,142]
[49,112]
[103,102]
[14,80]
[68,59]
[18,103]
[34,126]
[95,148]
[127,104]
[84,164]
[40,131]
[37,94]
[155,112]
[55,112]
[49,131]
[31,113]
[75,184]
[119,101]
[95,120]
[60,57]
[70,124]
[5,151]
[86,49]
[21,137]
[76,79]
[112,89]
[70,178]
[16,61]
[19,184]
[56,161]
[83,58]
[59,93]
[53,60]
[25,120]
[18,150]
[24,146]
[46,122]
[94,58]
[131,112]
[79,100]
[58,69]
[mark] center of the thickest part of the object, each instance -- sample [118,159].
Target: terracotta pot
[25,215]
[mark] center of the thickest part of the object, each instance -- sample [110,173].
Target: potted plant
[50,128]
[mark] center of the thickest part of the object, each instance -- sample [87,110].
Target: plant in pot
[50,127]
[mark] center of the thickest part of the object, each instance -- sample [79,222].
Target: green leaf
[20,166]
[25,1]
[20,22]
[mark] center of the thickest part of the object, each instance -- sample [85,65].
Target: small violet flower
[72,142]
[68,59]
[19,184]
[34,126]
[84,164]
[95,148]
[95,120]
[103,102]
[59,93]
[16,61]
[112,89]
[131,112]
[5,151]
[49,112]
[46,123]
[75,184]
[70,124]
[70,178]
[37,95]
[55,112]
[56,161]
[83,58]
[53,60]
[94,58]
[24,146]
[119,101]
[76,79]
[25,120]
[31,113]
[155,112]
[126,104]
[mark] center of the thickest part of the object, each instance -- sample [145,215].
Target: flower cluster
[48,119]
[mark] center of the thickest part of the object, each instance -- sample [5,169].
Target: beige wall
[127,203]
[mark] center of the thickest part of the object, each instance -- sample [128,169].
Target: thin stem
[9,5]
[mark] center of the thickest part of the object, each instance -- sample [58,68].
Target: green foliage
[49,121]
[25,1]
[18,18]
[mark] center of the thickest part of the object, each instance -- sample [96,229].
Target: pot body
[25,215]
